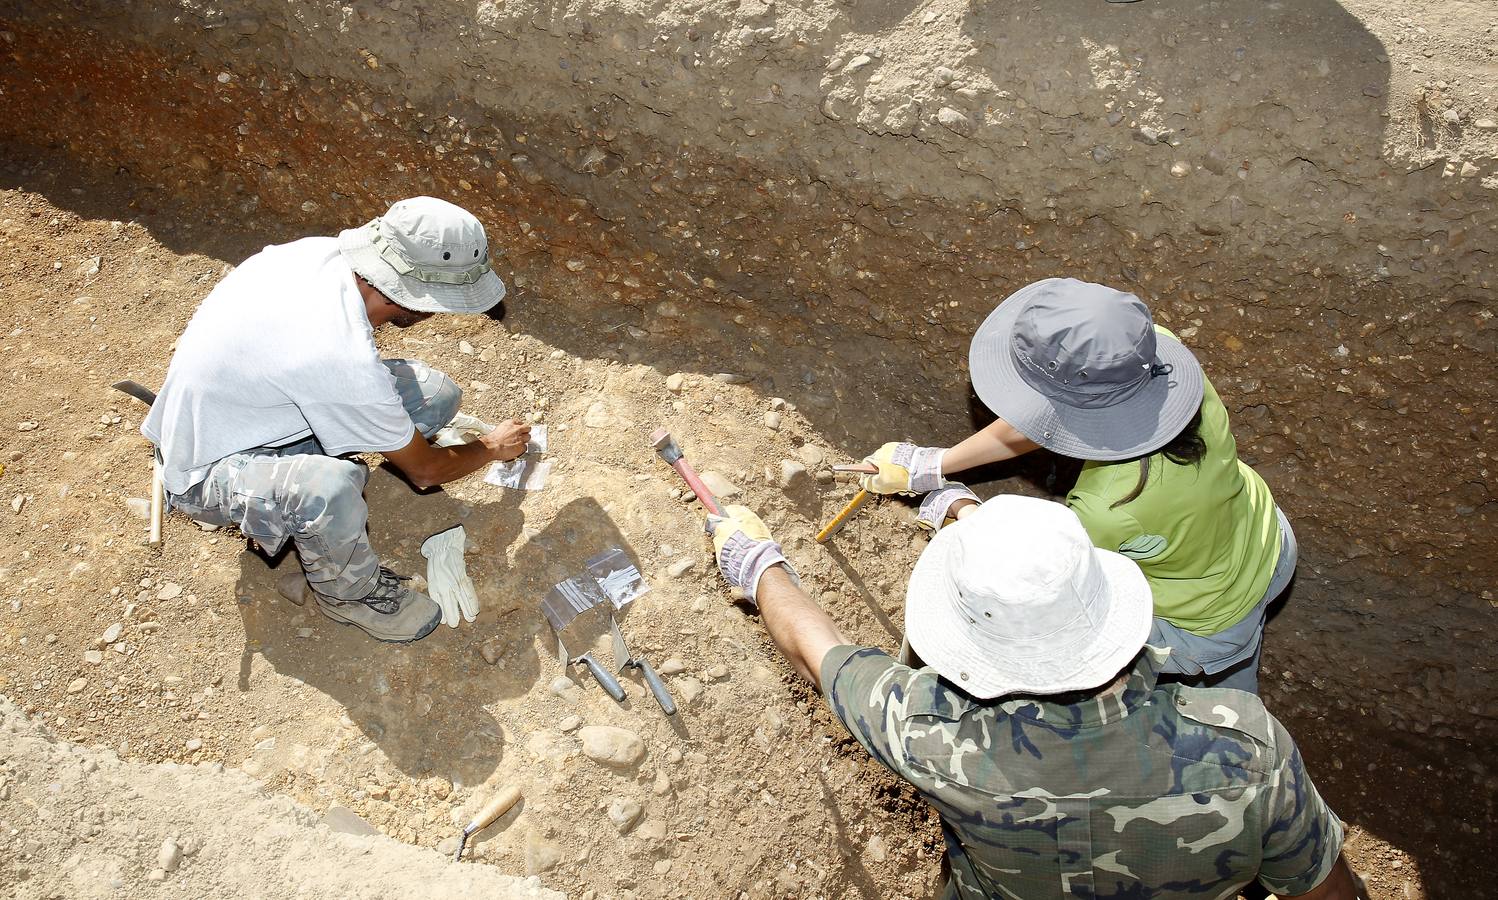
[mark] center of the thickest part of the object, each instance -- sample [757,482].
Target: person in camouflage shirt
[1034,724]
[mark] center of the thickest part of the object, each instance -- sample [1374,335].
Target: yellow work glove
[904,468]
[744,549]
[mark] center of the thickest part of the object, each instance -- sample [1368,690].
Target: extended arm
[799,627]
[751,561]
[428,466]
[994,443]
[904,468]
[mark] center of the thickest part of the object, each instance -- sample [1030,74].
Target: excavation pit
[718,219]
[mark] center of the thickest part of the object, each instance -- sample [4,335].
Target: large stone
[344,820]
[612,746]
[624,813]
[721,487]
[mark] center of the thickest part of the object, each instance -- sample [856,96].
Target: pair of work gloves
[909,471]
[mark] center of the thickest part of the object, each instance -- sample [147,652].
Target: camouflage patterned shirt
[1139,791]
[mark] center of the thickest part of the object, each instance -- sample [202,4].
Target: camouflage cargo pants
[317,501]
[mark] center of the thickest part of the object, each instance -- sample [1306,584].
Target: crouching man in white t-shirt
[277,377]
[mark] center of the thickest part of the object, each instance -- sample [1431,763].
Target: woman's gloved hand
[943,504]
[904,468]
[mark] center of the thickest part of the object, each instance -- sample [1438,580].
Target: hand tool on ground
[158,487]
[136,390]
[563,605]
[842,517]
[626,660]
[492,810]
[666,446]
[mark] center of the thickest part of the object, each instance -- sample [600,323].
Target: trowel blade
[621,652]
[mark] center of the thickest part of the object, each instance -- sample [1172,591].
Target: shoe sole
[426,630]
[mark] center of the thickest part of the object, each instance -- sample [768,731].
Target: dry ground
[752,791]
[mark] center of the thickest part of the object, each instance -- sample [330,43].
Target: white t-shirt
[281,349]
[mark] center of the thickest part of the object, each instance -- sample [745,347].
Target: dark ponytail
[1185,449]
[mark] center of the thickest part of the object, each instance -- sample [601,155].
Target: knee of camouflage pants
[325,498]
[430,397]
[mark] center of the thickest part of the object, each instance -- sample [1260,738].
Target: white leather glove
[447,576]
[463,429]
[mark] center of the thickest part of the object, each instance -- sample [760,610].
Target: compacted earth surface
[187,653]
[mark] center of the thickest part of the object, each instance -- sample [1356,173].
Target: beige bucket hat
[427,255]
[1014,599]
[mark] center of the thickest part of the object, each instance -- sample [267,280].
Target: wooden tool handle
[494,809]
[840,518]
[158,502]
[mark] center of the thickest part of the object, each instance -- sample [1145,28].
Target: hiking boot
[392,612]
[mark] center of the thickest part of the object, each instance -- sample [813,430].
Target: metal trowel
[579,609]
[626,660]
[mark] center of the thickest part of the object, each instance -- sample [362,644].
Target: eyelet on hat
[447,254]
[963,676]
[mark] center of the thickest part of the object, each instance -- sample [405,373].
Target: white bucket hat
[427,255]
[1014,599]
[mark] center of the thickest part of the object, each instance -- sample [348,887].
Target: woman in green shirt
[1081,370]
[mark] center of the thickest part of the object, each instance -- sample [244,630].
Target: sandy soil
[78,822]
[752,791]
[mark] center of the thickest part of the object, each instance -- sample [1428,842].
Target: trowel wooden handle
[494,809]
[158,503]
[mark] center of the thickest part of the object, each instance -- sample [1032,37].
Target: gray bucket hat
[1079,369]
[427,255]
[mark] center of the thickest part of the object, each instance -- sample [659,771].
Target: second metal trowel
[579,608]
[626,660]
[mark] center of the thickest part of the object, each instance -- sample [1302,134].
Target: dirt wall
[1303,191]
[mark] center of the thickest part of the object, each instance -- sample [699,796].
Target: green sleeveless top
[1206,535]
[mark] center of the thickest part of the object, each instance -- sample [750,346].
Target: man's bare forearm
[799,627]
[428,466]
[464,459]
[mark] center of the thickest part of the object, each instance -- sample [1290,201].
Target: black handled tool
[609,682]
[626,660]
[657,687]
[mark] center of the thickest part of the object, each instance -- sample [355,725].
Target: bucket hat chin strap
[403,266]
